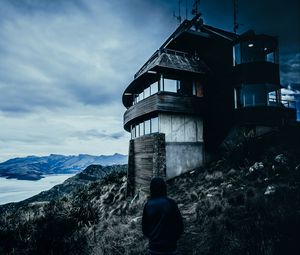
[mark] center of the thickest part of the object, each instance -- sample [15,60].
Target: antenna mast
[196,9]
[235,13]
[179,13]
[186,9]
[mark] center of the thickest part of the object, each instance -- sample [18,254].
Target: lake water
[12,190]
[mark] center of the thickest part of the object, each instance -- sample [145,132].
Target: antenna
[179,13]
[186,9]
[196,9]
[235,13]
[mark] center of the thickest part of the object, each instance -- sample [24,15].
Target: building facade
[186,98]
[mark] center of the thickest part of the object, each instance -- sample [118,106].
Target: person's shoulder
[171,201]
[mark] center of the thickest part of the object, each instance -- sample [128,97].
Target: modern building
[187,97]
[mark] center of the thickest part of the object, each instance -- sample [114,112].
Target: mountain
[245,202]
[33,167]
[92,173]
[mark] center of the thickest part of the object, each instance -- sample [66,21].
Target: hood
[158,187]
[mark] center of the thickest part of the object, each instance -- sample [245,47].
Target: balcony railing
[282,102]
[156,55]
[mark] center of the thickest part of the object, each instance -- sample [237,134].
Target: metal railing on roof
[156,55]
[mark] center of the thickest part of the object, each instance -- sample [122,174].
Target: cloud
[96,134]
[290,68]
[63,68]
[65,63]
[78,55]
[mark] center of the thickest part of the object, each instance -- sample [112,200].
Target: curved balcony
[163,102]
[256,72]
[165,61]
[264,115]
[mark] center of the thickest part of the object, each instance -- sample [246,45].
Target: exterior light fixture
[250,45]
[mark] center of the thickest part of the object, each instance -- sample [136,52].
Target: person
[162,221]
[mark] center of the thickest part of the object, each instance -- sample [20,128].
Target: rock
[229,186]
[270,190]
[256,166]
[231,172]
[255,171]
[193,196]
[281,159]
[216,176]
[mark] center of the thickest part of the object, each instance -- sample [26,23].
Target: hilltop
[34,168]
[246,202]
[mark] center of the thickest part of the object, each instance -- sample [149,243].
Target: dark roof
[170,60]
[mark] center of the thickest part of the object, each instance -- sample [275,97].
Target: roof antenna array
[179,13]
[196,8]
[186,9]
[235,13]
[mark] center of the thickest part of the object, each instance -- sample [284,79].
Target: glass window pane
[154,125]
[140,98]
[142,129]
[154,88]
[133,132]
[170,85]
[147,127]
[237,54]
[147,92]
[137,128]
[270,57]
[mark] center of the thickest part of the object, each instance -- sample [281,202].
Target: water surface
[12,190]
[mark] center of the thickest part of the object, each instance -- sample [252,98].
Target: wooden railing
[156,55]
[163,102]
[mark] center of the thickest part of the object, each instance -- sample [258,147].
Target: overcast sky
[65,63]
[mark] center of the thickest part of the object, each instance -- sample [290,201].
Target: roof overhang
[164,62]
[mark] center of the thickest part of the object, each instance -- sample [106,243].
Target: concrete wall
[182,157]
[181,128]
[177,148]
[184,142]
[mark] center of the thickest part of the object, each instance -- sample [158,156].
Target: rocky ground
[246,202]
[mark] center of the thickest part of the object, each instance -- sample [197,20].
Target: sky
[64,64]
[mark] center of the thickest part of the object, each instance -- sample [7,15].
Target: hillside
[246,202]
[33,167]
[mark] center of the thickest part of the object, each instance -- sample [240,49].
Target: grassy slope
[245,203]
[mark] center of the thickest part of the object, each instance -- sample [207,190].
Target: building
[194,89]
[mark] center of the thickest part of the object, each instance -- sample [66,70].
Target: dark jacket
[162,221]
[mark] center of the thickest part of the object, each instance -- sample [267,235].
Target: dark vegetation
[247,202]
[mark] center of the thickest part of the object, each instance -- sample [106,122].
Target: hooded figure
[162,221]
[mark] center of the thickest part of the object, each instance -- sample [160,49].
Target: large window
[254,51]
[154,88]
[144,128]
[147,92]
[184,87]
[248,95]
[197,89]
[154,125]
[147,127]
[170,85]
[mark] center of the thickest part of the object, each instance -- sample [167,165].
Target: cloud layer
[65,63]
[63,68]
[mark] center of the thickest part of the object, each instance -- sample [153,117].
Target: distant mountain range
[34,168]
